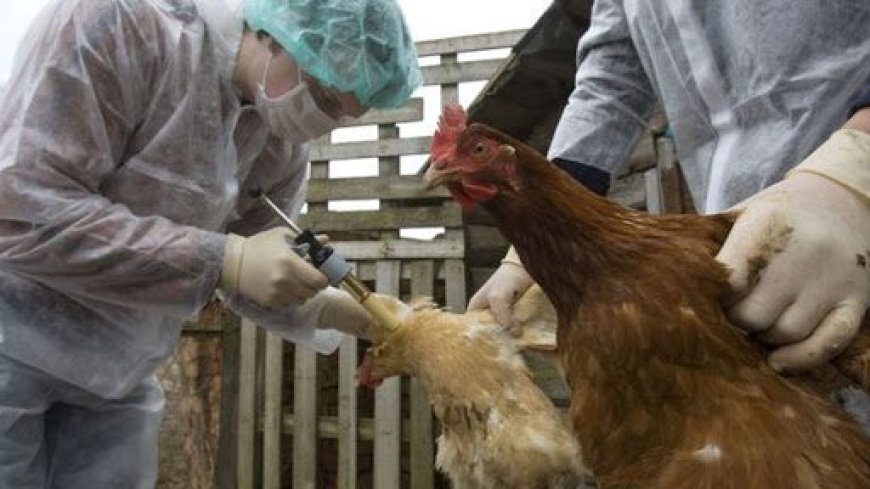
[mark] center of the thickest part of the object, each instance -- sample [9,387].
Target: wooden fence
[401,427]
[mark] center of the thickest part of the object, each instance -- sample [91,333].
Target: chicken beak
[435,176]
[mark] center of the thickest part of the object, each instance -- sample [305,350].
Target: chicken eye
[479,149]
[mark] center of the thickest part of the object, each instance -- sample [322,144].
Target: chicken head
[471,163]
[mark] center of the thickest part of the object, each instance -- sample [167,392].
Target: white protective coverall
[749,88]
[124,155]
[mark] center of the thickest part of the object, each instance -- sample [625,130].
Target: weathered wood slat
[305,392]
[226,468]
[643,156]
[652,188]
[347,411]
[366,271]
[388,165]
[272,412]
[371,149]
[477,42]
[412,111]
[629,191]
[448,215]
[449,91]
[454,280]
[247,405]
[388,398]
[347,421]
[422,465]
[400,249]
[329,427]
[305,412]
[422,277]
[670,178]
[259,400]
[461,72]
[384,188]
[669,185]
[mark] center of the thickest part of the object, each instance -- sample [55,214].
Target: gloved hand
[502,290]
[336,309]
[264,269]
[800,256]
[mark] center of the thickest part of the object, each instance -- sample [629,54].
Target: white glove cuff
[844,158]
[232,264]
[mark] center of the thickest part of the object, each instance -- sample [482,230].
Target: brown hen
[665,392]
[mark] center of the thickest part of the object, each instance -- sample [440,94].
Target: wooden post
[421,444]
[305,392]
[449,91]
[259,404]
[226,468]
[652,185]
[347,413]
[273,412]
[305,418]
[454,278]
[247,405]
[388,398]
[670,178]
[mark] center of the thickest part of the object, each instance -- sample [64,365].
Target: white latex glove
[800,256]
[502,290]
[334,308]
[265,269]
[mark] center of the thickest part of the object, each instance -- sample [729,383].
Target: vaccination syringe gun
[334,266]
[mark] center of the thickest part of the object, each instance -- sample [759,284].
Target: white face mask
[294,116]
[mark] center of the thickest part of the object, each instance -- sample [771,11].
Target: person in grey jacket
[131,133]
[767,103]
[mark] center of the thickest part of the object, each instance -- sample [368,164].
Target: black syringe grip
[318,253]
[324,258]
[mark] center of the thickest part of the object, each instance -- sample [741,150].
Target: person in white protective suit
[130,135]
[767,103]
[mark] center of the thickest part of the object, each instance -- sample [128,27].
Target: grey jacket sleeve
[612,99]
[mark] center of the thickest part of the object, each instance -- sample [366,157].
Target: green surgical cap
[357,46]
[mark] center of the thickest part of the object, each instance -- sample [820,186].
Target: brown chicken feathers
[665,392]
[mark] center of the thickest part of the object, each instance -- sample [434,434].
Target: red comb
[450,126]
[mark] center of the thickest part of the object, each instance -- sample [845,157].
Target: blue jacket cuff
[596,180]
